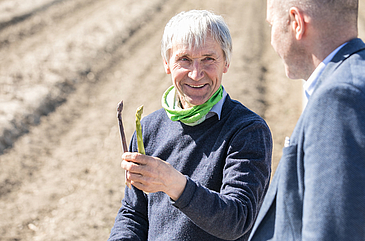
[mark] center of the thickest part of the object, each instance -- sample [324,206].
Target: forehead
[209,46]
[277,8]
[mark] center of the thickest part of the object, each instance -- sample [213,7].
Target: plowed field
[65,65]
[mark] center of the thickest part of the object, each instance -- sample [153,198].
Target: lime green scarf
[191,116]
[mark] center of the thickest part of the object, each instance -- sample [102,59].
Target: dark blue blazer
[318,190]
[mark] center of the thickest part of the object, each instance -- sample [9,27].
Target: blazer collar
[352,47]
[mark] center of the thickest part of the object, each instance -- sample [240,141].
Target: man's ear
[167,67]
[226,67]
[298,22]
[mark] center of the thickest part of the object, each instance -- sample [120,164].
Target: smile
[196,86]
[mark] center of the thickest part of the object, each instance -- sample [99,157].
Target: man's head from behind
[304,32]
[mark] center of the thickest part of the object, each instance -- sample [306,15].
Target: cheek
[178,74]
[214,69]
[278,43]
[273,37]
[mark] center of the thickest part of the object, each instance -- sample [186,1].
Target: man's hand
[151,174]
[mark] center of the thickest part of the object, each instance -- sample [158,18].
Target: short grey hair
[341,10]
[191,29]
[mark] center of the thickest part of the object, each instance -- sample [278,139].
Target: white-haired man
[208,158]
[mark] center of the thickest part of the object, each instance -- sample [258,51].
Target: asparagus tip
[139,110]
[120,106]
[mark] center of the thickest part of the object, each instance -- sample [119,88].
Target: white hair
[191,29]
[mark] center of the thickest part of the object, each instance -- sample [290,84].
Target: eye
[208,59]
[183,59]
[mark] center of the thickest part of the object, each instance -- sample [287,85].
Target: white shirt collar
[312,81]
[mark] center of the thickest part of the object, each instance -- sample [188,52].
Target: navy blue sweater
[227,163]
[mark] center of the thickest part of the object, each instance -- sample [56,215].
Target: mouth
[196,86]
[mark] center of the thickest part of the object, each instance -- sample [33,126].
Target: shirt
[217,108]
[312,81]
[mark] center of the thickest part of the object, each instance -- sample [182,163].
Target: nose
[196,71]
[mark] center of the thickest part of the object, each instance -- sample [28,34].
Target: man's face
[283,39]
[196,73]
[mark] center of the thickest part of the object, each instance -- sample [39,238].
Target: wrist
[177,188]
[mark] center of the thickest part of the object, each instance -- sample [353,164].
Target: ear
[225,69]
[298,22]
[167,67]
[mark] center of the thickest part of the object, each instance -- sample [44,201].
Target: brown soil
[64,66]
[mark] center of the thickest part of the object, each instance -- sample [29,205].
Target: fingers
[132,177]
[135,157]
[151,174]
[142,171]
[135,166]
[139,177]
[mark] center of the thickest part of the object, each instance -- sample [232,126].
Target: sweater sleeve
[230,213]
[131,222]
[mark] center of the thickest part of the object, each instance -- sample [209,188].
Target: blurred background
[64,67]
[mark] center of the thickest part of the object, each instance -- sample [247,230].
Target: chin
[192,103]
[293,76]
[289,74]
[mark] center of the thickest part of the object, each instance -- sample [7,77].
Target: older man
[318,190]
[208,158]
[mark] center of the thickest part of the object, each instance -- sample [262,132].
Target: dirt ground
[64,66]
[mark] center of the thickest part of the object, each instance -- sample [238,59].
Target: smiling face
[197,72]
